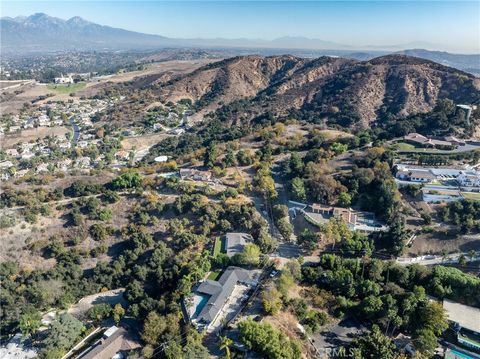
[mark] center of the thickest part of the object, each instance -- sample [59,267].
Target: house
[64,165]
[12,152]
[6,164]
[420,176]
[455,141]
[83,162]
[466,109]
[21,173]
[235,242]
[42,167]
[404,344]
[415,138]
[423,141]
[161,159]
[63,80]
[364,222]
[195,175]
[210,297]
[469,179]
[466,321]
[113,344]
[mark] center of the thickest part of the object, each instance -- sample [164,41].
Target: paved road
[76,131]
[432,259]
[459,149]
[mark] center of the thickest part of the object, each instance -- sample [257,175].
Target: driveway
[336,334]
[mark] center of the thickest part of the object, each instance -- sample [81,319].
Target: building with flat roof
[466,321]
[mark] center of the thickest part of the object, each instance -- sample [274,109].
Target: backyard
[67,89]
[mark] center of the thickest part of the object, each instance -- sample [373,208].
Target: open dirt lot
[143,142]
[32,134]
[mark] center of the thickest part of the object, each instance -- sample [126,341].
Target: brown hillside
[395,84]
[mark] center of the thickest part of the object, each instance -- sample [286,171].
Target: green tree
[118,312]
[29,321]
[344,199]
[373,345]
[425,341]
[225,344]
[63,333]
[99,312]
[271,301]
[298,189]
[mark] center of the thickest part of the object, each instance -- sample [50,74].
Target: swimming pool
[199,300]
[461,355]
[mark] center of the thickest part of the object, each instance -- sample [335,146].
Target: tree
[63,333]
[250,256]
[99,312]
[29,321]
[344,199]
[425,341]
[268,341]
[266,242]
[126,180]
[308,239]
[153,328]
[210,155]
[271,301]
[118,312]
[225,344]
[298,189]
[157,327]
[373,345]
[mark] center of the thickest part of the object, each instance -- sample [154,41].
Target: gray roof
[467,317]
[234,242]
[220,291]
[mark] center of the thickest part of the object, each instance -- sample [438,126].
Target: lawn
[471,195]
[217,246]
[214,275]
[403,146]
[67,88]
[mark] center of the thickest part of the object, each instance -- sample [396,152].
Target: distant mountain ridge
[40,33]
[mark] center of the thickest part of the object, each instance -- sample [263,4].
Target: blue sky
[452,25]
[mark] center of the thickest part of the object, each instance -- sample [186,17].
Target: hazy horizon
[452,26]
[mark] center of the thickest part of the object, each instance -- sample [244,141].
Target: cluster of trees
[352,243]
[268,341]
[465,214]
[392,296]
[443,119]
[282,221]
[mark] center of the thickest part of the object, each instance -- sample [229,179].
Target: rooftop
[219,291]
[467,317]
[234,242]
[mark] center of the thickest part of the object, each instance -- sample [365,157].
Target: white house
[469,179]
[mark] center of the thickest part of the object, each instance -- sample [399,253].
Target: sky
[448,25]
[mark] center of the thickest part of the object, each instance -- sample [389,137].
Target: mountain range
[40,33]
[354,92]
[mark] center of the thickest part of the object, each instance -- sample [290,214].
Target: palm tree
[225,344]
